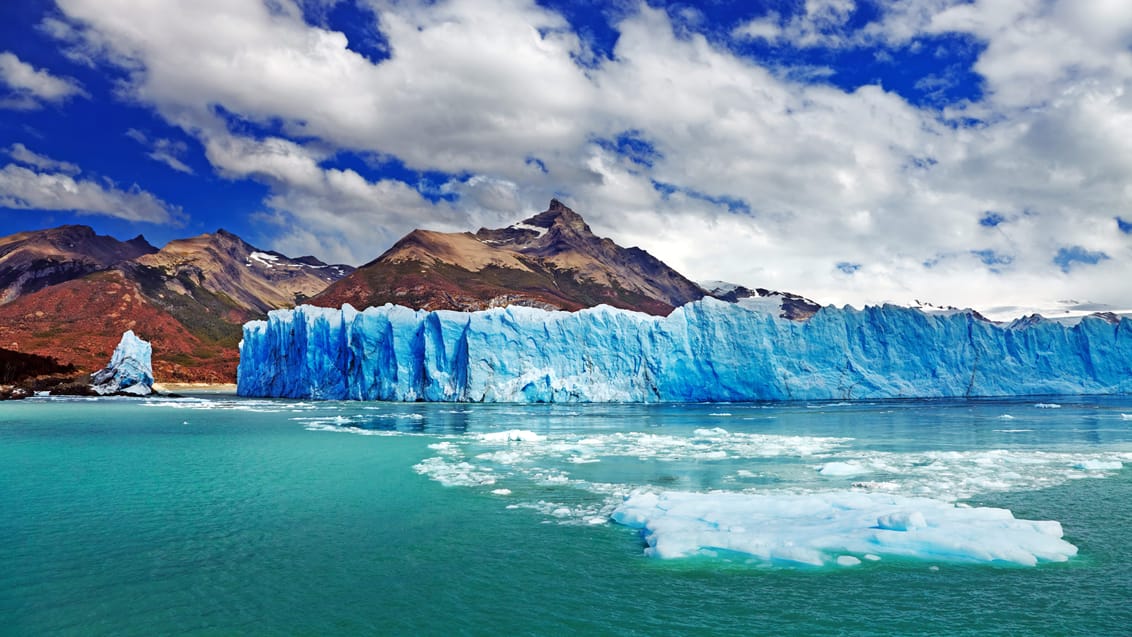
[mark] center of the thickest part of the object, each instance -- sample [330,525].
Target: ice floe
[836,528]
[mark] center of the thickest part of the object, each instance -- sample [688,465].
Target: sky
[957,152]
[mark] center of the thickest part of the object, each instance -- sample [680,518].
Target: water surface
[219,515]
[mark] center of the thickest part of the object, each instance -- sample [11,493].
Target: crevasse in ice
[708,350]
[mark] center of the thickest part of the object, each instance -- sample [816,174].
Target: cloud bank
[43,183]
[712,153]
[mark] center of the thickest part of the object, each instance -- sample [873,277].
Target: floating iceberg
[708,350]
[130,370]
[836,528]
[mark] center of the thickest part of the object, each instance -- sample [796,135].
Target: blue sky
[855,151]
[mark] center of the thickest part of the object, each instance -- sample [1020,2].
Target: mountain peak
[223,236]
[551,259]
[142,244]
[74,229]
[558,214]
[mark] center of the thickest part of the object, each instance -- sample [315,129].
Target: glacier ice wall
[708,350]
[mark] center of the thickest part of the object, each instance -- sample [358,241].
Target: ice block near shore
[130,370]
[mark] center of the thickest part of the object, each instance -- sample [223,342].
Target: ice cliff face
[704,351]
[130,370]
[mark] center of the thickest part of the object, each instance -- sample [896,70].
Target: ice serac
[130,370]
[707,350]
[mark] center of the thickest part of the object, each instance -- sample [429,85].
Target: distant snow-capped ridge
[784,304]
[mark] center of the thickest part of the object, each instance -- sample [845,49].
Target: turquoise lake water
[216,515]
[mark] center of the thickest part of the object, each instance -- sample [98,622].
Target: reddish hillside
[80,322]
[189,299]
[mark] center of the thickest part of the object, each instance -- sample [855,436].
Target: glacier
[707,350]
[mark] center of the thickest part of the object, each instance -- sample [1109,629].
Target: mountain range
[68,294]
[31,261]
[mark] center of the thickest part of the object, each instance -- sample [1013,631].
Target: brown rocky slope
[551,260]
[31,261]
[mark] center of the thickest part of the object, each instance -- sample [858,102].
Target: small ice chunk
[843,469]
[511,435]
[847,560]
[714,432]
[1099,465]
[501,491]
[1048,406]
[875,484]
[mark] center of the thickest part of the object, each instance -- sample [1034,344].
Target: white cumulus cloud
[21,154]
[53,185]
[28,87]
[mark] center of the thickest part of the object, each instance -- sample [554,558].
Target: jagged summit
[141,243]
[558,214]
[551,226]
[550,260]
